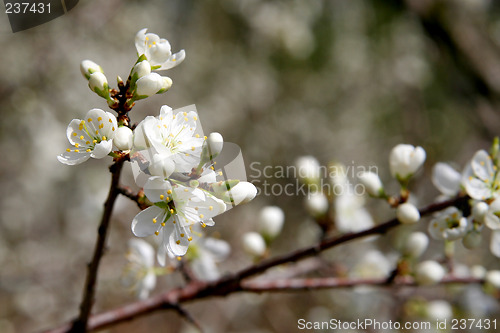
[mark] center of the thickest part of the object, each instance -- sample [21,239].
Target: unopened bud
[407,213]
[429,272]
[88,67]
[271,219]
[98,83]
[254,244]
[123,138]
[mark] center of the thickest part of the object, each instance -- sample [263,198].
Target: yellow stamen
[68,150]
[201,216]
[163,224]
[197,135]
[182,235]
[178,242]
[190,238]
[89,120]
[104,137]
[157,233]
[88,150]
[154,221]
[169,192]
[203,225]
[172,211]
[211,208]
[81,137]
[74,134]
[99,119]
[162,196]
[77,151]
[77,145]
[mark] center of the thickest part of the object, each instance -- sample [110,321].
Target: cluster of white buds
[270,223]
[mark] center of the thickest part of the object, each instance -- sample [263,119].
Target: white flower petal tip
[407,213]
[405,160]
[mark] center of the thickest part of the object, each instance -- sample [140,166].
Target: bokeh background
[340,80]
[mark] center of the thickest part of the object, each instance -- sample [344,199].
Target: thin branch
[284,285]
[138,197]
[80,323]
[188,317]
[233,283]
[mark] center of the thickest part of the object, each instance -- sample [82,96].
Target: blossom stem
[80,323]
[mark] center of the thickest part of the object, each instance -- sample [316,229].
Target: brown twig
[284,285]
[80,323]
[233,283]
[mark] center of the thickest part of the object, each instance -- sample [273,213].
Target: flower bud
[212,147]
[429,272]
[123,138]
[493,278]
[308,169]
[316,204]
[372,183]
[221,187]
[149,85]
[479,211]
[166,84]
[407,213]
[405,160]
[478,272]
[141,69]
[88,67]
[472,239]
[439,310]
[416,244]
[98,83]
[254,244]
[271,219]
[241,193]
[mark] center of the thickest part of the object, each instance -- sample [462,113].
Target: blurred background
[343,81]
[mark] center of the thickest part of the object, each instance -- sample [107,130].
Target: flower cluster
[174,162]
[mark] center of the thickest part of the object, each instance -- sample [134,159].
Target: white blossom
[449,224]
[151,84]
[492,217]
[176,209]
[439,310]
[173,136]
[480,177]
[138,274]
[157,50]
[405,160]
[92,137]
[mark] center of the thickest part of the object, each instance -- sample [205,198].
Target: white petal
[102,149]
[482,165]
[174,237]
[477,189]
[495,243]
[73,158]
[446,179]
[143,225]
[174,60]
[218,248]
[156,187]
[140,41]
